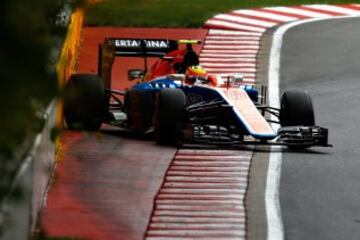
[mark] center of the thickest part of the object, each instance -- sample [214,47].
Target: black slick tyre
[84,102]
[169,115]
[296,109]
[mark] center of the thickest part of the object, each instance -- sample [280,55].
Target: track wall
[21,206]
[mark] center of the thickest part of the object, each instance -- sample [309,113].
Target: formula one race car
[179,102]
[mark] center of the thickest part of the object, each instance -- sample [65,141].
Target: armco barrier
[44,159]
[21,206]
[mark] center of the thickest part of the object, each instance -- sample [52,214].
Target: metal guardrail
[22,205]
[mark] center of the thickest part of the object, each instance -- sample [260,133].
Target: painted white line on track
[222,38]
[221,23]
[240,54]
[231,47]
[231,60]
[238,64]
[335,9]
[222,32]
[182,202]
[192,234]
[228,56]
[206,184]
[225,72]
[248,20]
[210,163]
[301,12]
[273,16]
[273,211]
[233,70]
[230,52]
[231,38]
[211,157]
[232,42]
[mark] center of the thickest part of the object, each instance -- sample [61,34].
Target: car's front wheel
[296,109]
[169,115]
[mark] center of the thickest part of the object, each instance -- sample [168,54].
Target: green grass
[28,77]
[172,13]
[56,238]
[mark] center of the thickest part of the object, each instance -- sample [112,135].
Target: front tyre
[296,109]
[84,102]
[169,115]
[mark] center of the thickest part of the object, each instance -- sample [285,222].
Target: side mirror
[235,80]
[135,74]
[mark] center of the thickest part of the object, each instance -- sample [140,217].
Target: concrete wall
[22,205]
[44,160]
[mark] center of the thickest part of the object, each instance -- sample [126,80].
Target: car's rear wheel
[84,102]
[296,109]
[169,115]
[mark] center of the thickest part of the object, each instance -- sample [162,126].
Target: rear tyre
[296,109]
[169,115]
[84,102]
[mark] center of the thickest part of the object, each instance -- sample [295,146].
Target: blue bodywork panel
[157,84]
[198,93]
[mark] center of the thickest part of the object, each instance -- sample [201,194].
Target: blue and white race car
[178,101]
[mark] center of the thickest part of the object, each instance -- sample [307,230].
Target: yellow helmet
[194,73]
[196,70]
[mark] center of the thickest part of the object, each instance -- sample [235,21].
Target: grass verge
[173,13]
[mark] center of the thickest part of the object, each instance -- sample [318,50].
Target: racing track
[83,205]
[320,190]
[105,183]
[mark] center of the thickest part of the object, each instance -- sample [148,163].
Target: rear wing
[140,47]
[129,47]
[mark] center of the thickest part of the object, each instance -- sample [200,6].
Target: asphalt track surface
[105,183]
[320,190]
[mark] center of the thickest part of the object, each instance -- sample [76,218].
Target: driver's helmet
[195,73]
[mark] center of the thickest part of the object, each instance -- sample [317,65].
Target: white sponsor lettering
[156,44]
[126,43]
[137,43]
